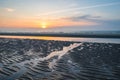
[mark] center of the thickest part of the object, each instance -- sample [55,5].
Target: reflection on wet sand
[44,38]
[98,40]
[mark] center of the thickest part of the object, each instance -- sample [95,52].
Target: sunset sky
[59,15]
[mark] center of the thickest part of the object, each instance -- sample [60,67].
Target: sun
[43,25]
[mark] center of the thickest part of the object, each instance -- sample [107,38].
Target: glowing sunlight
[43,25]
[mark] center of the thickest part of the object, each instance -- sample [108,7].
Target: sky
[59,15]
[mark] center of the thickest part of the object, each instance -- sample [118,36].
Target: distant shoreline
[77,35]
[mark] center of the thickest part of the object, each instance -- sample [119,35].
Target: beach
[32,59]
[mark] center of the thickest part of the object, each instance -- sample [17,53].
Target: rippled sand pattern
[58,60]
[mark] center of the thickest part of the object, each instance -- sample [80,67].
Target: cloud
[83,17]
[97,22]
[94,19]
[80,8]
[9,9]
[113,23]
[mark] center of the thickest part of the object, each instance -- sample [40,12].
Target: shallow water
[98,40]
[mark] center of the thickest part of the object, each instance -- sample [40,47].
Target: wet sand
[25,59]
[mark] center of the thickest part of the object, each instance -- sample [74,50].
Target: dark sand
[19,60]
